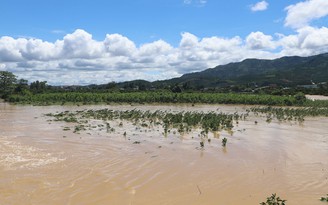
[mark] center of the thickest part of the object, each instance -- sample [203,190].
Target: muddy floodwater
[317,97]
[41,163]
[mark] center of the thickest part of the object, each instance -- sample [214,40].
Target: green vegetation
[158,97]
[274,200]
[183,122]
[7,83]
[39,93]
[324,198]
[290,114]
[224,142]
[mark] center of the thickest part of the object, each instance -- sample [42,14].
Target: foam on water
[14,155]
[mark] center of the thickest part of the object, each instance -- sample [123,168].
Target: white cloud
[81,45]
[216,44]
[188,40]
[36,49]
[58,31]
[260,6]
[195,2]
[10,49]
[187,1]
[302,13]
[258,40]
[156,48]
[80,59]
[307,41]
[2,66]
[118,45]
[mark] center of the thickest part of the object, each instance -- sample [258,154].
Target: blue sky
[98,41]
[140,20]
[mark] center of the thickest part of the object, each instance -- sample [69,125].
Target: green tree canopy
[7,83]
[38,86]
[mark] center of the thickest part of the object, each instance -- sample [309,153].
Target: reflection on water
[40,163]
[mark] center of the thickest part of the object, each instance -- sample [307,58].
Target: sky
[70,42]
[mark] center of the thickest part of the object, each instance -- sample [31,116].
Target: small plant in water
[324,198]
[274,200]
[224,142]
[201,144]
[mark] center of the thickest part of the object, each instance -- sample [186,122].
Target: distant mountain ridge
[285,71]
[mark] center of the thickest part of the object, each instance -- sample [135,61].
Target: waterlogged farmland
[159,97]
[162,154]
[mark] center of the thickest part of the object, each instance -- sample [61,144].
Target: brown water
[317,97]
[40,166]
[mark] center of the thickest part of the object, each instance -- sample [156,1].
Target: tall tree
[22,86]
[7,83]
[38,86]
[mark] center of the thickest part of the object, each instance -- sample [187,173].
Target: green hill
[285,71]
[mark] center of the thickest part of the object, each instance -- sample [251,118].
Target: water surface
[40,163]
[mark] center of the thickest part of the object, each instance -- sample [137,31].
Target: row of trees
[9,84]
[19,90]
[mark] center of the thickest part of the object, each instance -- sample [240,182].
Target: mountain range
[285,71]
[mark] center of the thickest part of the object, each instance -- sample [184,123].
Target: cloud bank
[78,58]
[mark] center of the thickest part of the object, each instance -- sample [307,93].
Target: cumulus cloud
[80,59]
[307,41]
[260,6]
[188,40]
[156,48]
[301,14]
[10,49]
[258,40]
[118,45]
[81,45]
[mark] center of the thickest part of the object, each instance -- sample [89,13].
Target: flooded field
[317,97]
[41,163]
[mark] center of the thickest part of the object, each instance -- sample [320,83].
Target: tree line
[40,93]
[9,84]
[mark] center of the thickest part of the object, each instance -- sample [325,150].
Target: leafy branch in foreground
[274,200]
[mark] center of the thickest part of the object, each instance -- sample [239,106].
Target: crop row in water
[184,122]
[162,97]
[324,198]
[276,200]
[290,114]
